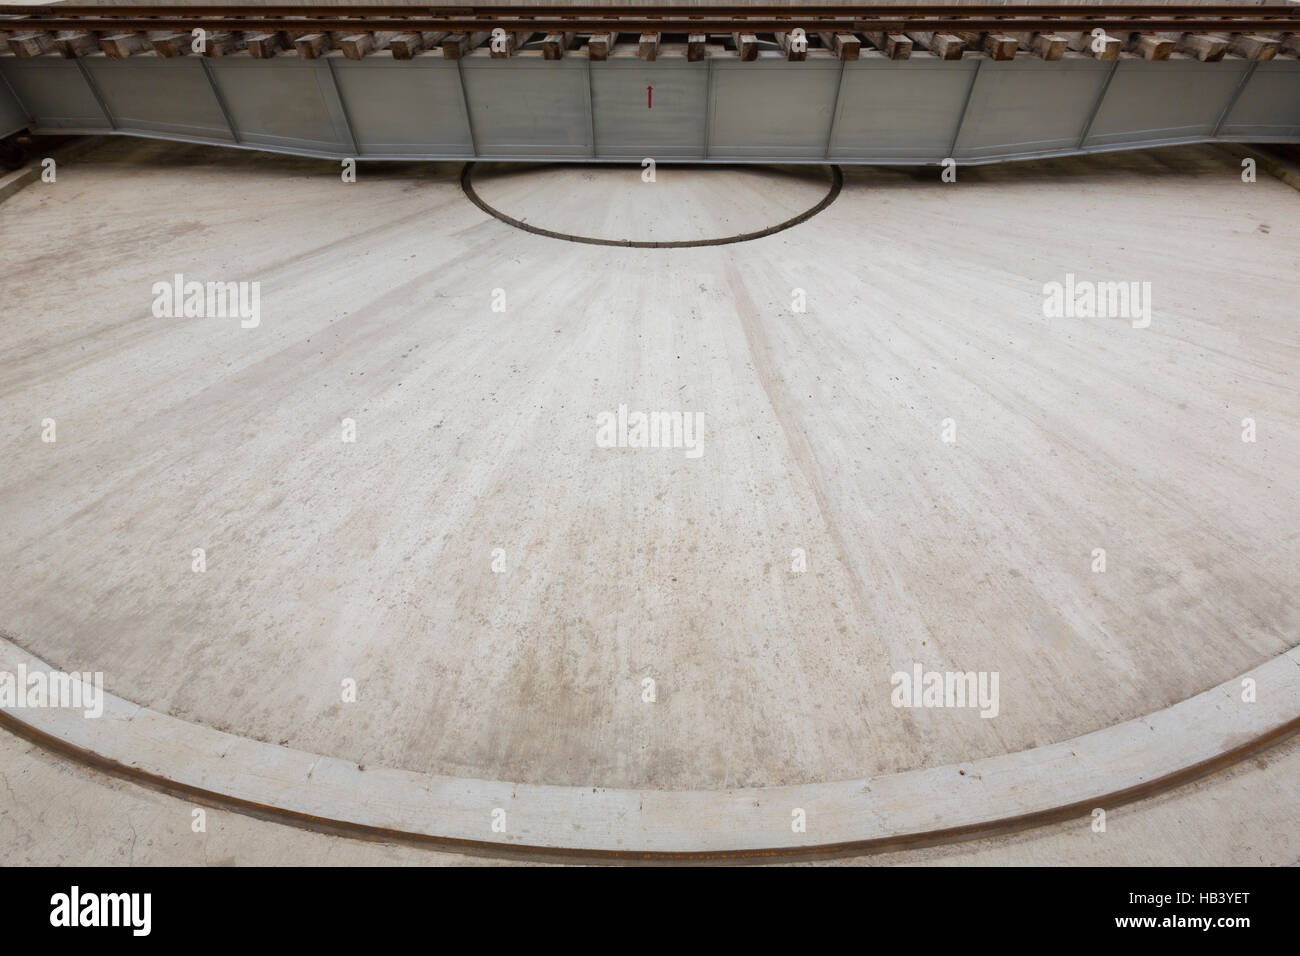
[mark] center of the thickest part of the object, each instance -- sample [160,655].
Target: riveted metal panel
[1269,107]
[526,107]
[157,95]
[55,93]
[721,109]
[12,115]
[285,103]
[633,121]
[1030,106]
[900,110]
[772,107]
[1150,103]
[405,107]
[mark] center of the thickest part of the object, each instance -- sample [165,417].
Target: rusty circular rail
[467,184]
[1001,826]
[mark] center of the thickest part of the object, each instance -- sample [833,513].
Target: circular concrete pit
[903,463]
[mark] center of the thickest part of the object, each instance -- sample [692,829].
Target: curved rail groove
[373,834]
[984,797]
[467,184]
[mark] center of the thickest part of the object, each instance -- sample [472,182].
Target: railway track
[709,19]
[135,71]
[1152,32]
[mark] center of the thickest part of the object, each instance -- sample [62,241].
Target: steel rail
[703,10]
[999,826]
[652,24]
[851,18]
[836,184]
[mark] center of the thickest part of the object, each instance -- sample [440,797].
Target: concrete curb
[12,182]
[1102,769]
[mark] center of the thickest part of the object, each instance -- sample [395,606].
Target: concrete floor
[476,431]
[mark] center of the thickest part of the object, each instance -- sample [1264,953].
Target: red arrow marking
[649,97]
